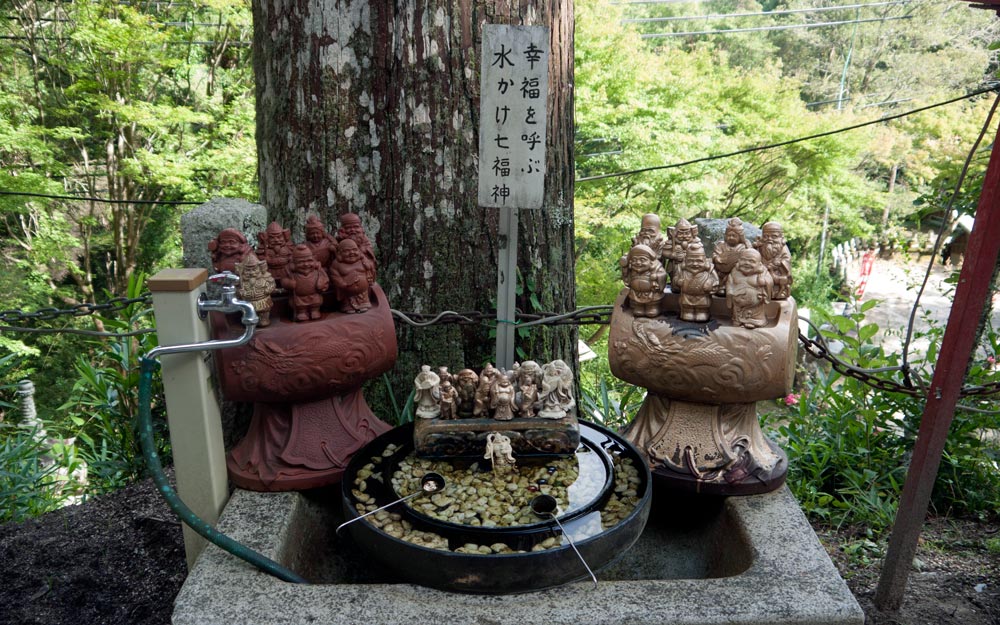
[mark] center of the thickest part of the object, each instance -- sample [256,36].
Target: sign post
[513,108]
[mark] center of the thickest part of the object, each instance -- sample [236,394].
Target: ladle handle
[573,545]
[388,505]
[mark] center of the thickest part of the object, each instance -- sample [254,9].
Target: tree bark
[373,108]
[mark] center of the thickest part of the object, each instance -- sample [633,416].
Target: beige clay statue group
[749,277]
[697,425]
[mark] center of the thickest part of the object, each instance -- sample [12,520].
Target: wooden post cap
[177,280]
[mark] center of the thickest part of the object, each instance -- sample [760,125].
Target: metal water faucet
[228,303]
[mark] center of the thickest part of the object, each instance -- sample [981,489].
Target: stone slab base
[700,561]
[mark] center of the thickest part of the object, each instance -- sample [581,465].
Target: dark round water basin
[603,503]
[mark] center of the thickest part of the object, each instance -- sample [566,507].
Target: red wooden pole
[956,349]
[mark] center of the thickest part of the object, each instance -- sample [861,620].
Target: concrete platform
[741,560]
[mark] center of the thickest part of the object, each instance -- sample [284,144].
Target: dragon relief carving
[720,360]
[323,358]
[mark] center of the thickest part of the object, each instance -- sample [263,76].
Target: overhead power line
[235,43]
[619,174]
[784,27]
[661,2]
[82,198]
[761,148]
[679,18]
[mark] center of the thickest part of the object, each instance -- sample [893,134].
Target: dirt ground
[955,578]
[119,560]
[115,560]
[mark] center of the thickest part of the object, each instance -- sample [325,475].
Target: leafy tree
[140,103]
[122,101]
[666,105]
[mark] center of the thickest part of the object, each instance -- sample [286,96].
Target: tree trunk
[373,108]
[892,187]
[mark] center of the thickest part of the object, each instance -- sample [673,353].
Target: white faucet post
[192,408]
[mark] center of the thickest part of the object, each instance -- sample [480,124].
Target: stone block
[203,223]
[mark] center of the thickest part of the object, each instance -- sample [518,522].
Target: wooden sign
[512,114]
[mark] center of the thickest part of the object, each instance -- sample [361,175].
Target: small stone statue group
[304,271]
[526,391]
[747,276]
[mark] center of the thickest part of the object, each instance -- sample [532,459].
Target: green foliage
[24,480]
[119,100]
[812,289]
[612,407]
[848,443]
[30,466]
[398,416]
[103,406]
[124,101]
[993,545]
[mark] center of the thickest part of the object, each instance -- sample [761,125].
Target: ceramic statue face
[275,239]
[732,237]
[348,253]
[749,263]
[255,271]
[314,235]
[305,265]
[695,264]
[772,238]
[351,226]
[229,244]
[639,263]
[684,234]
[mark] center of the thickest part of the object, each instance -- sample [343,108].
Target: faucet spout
[228,303]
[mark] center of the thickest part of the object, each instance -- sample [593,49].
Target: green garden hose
[148,366]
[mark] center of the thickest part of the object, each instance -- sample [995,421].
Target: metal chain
[818,350]
[591,315]
[80,310]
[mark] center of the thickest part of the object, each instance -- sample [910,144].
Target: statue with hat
[256,286]
[727,251]
[697,281]
[776,257]
[646,280]
[681,235]
[227,249]
[650,234]
[321,243]
[750,290]
[351,276]
[276,249]
[350,228]
[307,283]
